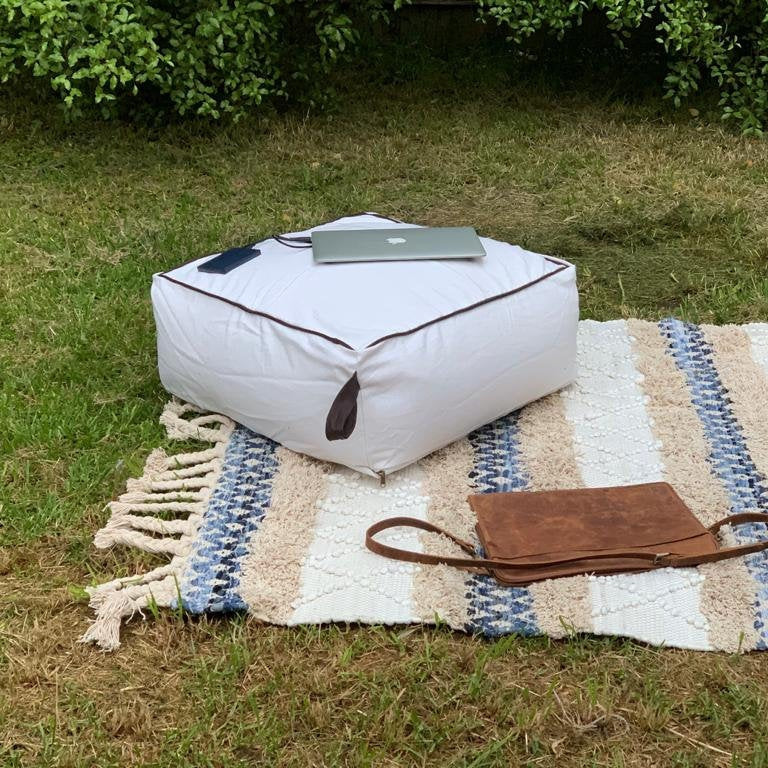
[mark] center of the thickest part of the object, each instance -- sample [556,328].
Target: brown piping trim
[561,266]
[472,306]
[553,260]
[257,312]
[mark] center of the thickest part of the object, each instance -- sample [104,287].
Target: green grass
[663,214]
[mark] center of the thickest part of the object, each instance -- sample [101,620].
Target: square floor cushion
[372,364]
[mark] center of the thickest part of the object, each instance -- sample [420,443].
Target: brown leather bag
[532,536]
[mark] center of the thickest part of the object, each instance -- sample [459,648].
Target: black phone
[229,260]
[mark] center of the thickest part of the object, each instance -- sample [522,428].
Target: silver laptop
[402,243]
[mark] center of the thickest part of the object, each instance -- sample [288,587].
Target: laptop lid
[396,244]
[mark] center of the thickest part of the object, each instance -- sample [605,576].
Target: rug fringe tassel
[169,485]
[120,603]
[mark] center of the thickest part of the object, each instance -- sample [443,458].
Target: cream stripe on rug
[440,591]
[270,583]
[548,456]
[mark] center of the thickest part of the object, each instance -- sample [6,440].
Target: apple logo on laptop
[395,240]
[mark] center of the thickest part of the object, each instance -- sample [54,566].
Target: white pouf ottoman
[371,365]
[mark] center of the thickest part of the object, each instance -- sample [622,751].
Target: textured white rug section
[341,581]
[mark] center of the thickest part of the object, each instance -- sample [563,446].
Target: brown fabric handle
[342,416]
[659,560]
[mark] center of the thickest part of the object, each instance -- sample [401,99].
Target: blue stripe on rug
[729,456]
[495,610]
[238,504]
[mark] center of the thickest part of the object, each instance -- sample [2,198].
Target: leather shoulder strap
[473,562]
[726,553]
[658,560]
[739,519]
[418,557]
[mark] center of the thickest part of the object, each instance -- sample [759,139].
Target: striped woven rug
[246,525]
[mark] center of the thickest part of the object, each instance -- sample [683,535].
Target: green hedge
[702,41]
[215,58]
[207,58]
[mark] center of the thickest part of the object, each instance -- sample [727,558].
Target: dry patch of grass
[233,692]
[660,216]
